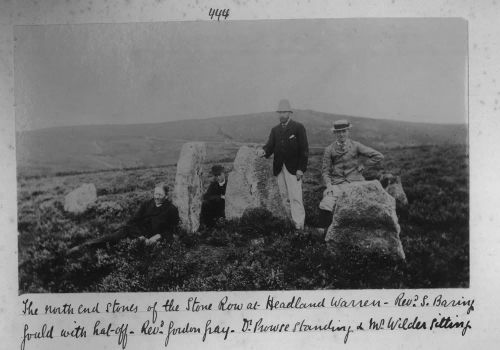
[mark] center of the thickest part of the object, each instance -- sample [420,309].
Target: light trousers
[289,185]
[327,205]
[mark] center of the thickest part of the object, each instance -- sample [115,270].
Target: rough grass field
[256,253]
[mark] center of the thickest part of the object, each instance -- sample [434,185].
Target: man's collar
[221,183]
[342,145]
[287,122]
[165,201]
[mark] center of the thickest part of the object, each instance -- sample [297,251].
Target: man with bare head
[155,218]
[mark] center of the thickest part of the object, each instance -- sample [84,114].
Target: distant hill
[97,147]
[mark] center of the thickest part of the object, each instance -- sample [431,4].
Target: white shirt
[288,121]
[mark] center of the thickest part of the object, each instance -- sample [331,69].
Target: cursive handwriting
[149,320]
[46,332]
[186,329]
[294,303]
[29,309]
[111,330]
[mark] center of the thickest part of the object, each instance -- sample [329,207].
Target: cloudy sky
[404,69]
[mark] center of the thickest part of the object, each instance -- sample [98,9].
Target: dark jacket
[213,206]
[153,220]
[289,146]
[148,221]
[214,191]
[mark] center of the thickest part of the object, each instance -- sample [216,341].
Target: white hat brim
[346,128]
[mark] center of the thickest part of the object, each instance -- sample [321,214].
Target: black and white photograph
[269,155]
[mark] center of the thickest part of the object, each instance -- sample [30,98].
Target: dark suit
[151,220]
[148,221]
[289,146]
[213,206]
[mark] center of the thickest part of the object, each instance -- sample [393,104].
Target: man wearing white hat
[341,165]
[288,143]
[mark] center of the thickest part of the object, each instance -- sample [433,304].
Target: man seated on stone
[213,206]
[155,218]
[341,165]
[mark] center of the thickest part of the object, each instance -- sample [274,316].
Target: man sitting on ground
[155,218]
[213,206]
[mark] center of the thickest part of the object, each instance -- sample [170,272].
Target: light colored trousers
[289,185]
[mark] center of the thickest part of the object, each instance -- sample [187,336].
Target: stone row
[364,215]
[250,184]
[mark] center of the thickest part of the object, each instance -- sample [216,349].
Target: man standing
[214,200]
[288,143]
[341,165]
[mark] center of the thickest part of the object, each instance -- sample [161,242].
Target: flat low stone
[251,184]
[188,189]
[365,218]
[80,199]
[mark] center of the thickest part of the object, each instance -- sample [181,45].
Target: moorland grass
[258,252]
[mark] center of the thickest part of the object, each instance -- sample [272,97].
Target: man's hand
[299,174]
[222,196]
[361,167]
[261,153]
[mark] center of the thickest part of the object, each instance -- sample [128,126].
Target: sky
[402,69]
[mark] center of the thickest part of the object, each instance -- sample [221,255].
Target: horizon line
[238,115]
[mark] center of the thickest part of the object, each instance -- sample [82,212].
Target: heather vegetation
[258,252]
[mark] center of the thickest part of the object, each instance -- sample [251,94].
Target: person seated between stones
[156,218]
[213,206]
[342,165]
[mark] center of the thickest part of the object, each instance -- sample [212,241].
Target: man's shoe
[74,250]
[299,228]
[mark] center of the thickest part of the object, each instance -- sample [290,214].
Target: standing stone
[365,218]
[80,199]
[251,184]
[394,187]
[188,190]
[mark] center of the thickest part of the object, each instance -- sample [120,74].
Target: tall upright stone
[364,217]
[251,184]
[188,189]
